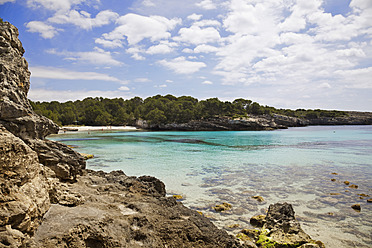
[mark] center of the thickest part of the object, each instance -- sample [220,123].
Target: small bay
[306,166]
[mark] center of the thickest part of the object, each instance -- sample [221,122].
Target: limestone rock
[65,162]
[283,227]
[122,211]
[24,189]
[16,113]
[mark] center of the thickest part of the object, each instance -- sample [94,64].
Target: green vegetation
[159,110]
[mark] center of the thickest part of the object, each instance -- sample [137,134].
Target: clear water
[294,165]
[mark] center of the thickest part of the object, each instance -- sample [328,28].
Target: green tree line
[159,110]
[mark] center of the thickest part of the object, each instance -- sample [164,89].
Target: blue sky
[282,53]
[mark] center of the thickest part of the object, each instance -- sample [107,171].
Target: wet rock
[369,200]
[233,226]
[363,195]
[253,234]
[258,220]
[356,207]
[85,155]
[222,207]
[178,197]
[258,198]
[353,186]
[283,227]
[346,182]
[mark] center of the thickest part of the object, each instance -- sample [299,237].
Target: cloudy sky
[282,53]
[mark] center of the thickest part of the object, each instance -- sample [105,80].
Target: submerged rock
[258,220]
[222,207]
[356,207]
[258,198]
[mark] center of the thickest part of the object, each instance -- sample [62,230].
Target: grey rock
[16,113]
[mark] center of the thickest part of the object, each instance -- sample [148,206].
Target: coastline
[65,129]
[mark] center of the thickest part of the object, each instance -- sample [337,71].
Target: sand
[96,128]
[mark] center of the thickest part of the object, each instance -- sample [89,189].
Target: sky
[283,53]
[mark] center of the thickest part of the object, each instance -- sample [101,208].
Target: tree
[156,117]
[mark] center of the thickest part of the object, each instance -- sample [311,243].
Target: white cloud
[356,78]
[197,35]
[97,57]
[55,5]
[135,28]
[46,31]
[205,49]
[205,23]
[56,73]
[83,20]
[109,43]
[142,80]
[72,95]
[124,88]
[159,49]
[182,66]
[6,1]
[148,3]
[136,52]
[207,82]
[207,4]
[194,17]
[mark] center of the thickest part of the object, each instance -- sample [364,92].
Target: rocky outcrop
[122,211]
[217,124]
[17,116]
[24,197]
[280,229]
[15,110]
[259,122]
[31,167]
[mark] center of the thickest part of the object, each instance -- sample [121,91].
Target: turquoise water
[294,165]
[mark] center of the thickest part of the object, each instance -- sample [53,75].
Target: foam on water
[293,165]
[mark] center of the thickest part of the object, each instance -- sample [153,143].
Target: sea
[321,170]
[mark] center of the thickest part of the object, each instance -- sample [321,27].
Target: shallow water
[296,165]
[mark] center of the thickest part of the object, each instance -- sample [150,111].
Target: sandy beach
[96,128]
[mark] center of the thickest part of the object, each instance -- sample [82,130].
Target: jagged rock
[283,227]
[24,188]
[115,215]
[65,162]
[16,114]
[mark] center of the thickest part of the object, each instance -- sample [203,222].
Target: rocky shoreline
[49,199]
[259,122]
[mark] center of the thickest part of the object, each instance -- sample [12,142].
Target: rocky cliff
[48,199]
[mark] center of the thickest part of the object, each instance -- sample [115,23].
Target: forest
[160,110]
